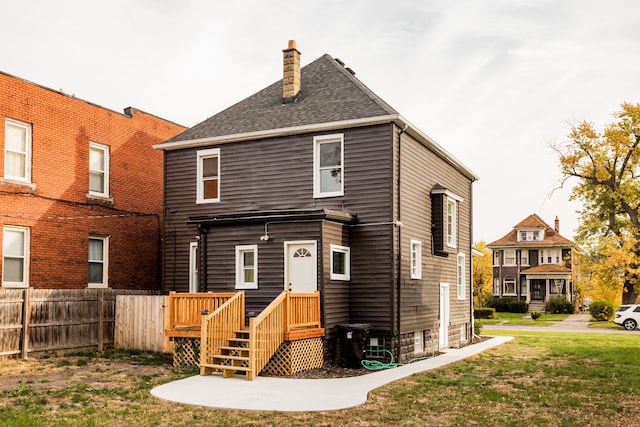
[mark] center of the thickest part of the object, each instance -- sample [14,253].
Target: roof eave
[271,133]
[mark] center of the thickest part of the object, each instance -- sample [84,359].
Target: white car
[628,315]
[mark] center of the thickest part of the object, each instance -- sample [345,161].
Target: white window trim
[461,276]
[347,251]
[28,146]
[453,237]
[508,257]
[107,163]
[204,154]
[240,283]
[511,280]
[317,141]
[415,263]
[105,262]
[496,286]
[525,260]
[193,267]
[26,255]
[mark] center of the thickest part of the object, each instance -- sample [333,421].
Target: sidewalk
[300,395]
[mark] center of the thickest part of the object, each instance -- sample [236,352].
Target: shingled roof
[329,93]
[551,236]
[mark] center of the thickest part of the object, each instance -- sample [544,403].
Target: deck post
[203,342]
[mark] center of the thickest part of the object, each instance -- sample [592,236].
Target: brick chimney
[291,75]
[557,224]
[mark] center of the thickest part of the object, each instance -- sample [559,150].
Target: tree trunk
[629,295]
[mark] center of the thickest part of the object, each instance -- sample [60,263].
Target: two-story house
[80,191]
[533,263]
[316,183]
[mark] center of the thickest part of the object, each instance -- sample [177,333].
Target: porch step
[537,306]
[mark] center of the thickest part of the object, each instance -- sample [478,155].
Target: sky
[496,83]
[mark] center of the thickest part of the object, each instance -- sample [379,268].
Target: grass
[539,378]
[524,319]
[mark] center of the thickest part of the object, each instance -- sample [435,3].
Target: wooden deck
[226,343]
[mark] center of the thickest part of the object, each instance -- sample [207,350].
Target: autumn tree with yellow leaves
[606,167]
[482,273]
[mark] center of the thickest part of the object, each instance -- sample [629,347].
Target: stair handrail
[266,334]
[218,327]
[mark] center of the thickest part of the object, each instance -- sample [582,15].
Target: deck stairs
[233,358]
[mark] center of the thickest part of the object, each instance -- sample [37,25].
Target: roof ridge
[364,88]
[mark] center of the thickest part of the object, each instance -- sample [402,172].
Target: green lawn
[524,319]
[537,379]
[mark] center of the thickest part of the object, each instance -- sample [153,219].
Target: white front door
[301,266]
[444,315]
[193,267]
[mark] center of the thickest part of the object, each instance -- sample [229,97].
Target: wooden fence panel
[11,312]
[139,322]
[39,321]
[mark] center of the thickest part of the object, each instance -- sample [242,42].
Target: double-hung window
[416,259]
[524,257]
[509,257]
[461,279]
[208,186]
[98,169]
[98,261]
[15,256]
[451,222]
[328,165]
[510,286]
[247,267]
[340,263]
[17,151]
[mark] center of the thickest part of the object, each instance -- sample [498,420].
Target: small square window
[247,267]
[340,263]
[510,287]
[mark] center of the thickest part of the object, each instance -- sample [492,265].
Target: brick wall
[56,206]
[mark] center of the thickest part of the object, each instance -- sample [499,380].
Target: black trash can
[351,342]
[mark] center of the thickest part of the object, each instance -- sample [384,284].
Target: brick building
[80,191]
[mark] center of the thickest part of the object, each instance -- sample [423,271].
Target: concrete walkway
[299,395]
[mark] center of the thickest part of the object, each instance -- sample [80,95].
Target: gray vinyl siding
[220,255]
[277,174]
[335,295]
[421,170]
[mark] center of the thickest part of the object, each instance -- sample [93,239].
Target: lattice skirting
[186,352]
[296,356]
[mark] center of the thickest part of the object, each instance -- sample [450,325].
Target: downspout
[202,258]
[399,248]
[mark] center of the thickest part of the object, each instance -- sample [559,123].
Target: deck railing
[185,309]
[303,311]
[219,326]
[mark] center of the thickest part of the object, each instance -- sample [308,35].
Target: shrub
[508,305]
[484,313]
[601,310]
[535,315]
[559,305]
